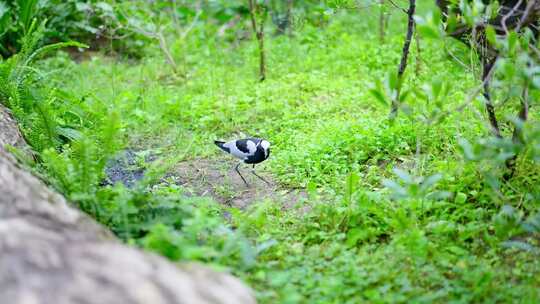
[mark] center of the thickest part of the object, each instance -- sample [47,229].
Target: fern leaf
[69,133]
[51,47]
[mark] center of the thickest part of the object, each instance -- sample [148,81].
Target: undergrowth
[397,211]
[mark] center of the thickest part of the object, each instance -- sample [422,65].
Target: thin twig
[526,14]
[418,53]
[468,101]
[165,49]
[463,64]
[489,65]
[535,50]
[381,22]
[397,6]
[506,16]
[158,35]
[191,25]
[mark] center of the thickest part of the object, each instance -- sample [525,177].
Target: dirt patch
[218,179]
[206,177]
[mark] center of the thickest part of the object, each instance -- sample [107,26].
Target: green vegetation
[414,209]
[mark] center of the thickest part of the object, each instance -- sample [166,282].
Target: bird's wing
[251,146]
[242,145]
[238,148]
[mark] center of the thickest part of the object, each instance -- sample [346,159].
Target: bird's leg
[238,171]
[260,177]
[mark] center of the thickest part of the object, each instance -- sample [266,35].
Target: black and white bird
[249,150]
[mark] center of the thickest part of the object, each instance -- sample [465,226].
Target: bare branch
[165,49]
[191,25]
[510,13]
[397,6]
[470,98]
[489,65]
[526,14]
[252,14]
[381,22]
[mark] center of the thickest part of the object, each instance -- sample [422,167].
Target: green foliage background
[403,211]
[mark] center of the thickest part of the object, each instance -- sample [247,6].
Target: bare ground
[218,179]
[214,177]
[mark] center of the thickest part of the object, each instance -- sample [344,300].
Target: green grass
[329,136]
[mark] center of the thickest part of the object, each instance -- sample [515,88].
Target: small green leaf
[104,6]
[379,95]
[3,9]
[491,35]
[354,235]
[69,133]
[265,245]
[429,31]
[403,96]
[397,189]
[392,81]
[436,87]
[404,176]
[460,198]
[431,180]
[467,149]
[512,41]
[311,188]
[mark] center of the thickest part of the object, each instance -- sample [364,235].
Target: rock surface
[53,253]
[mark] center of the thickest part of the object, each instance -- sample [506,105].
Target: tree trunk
[513,15]
[53,253]
[404,56]
[488,64]
[289,16]
[382,29]
[526,15]
[517,135]
[259,34]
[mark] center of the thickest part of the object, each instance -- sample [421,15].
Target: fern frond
[69,133]
[29,51]
[51,47]
[47,120]
[109,134]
